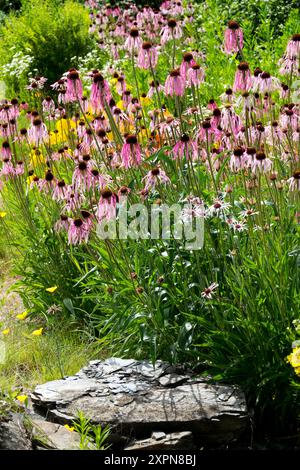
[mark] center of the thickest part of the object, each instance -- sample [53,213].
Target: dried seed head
[131,139]
[49,176]
[172,23]
[260,155]
[188,57]
[233,25]
[134,32]
[243,66]
[296,37]
[175,73]
[146,45]
[106,193]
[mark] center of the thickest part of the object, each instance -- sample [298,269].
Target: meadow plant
[158,127]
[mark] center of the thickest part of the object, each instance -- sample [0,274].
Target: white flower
[209,291]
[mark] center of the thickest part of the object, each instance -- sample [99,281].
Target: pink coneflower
[250,155]
[115,51]
[82,177]
[48,105]
[73,202]
[61,191]
[154,85]
[211,104]
[172,30]
[185,147]
[216,118]
[195,75]
[133,41]
[123,192]
[266,83]
[219,207]
[147,56]
[154,176]
[7,168]
[289,119]
[78,231]
[230,121]
[121,85]
[233,38]
[5,150]
[100,93]
[37,133]
[293,47]
[208,292]
[20,168]
[193,209]
[261,163]
[294,181]
[131,152]
[186,64]
[284,91]
[208,132]
[36,83]
[169,126]
[62,224]
[107,205]
[243,78]
[174,85]
[14,110]
[248,213]
[99,180]
[238,160]
[48,183]
[237,225]
[74,88]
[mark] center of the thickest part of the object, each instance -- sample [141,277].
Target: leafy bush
[54,35]
[258,11]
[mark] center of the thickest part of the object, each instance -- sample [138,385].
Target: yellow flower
[294,358]
[38,332]
[22,398]
[69,428]
[145,101]
[51,289]
[6,331]
[37,158]
[22,316]
[2,214]
[120,105]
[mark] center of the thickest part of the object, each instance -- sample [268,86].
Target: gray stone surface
[13,435]
[174,441]
[135,399]
[52,435]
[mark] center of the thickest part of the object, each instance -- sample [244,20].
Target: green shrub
[53,35]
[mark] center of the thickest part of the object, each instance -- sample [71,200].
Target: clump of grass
[31,360]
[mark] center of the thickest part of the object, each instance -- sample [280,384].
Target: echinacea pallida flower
[233,38]
[174,85]
[208,292]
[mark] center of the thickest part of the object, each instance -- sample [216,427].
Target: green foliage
[53,35]
[92,437]
[258,12]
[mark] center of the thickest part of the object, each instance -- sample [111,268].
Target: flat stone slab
[161,441]
[136,398]
[53,436]
[13,434]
